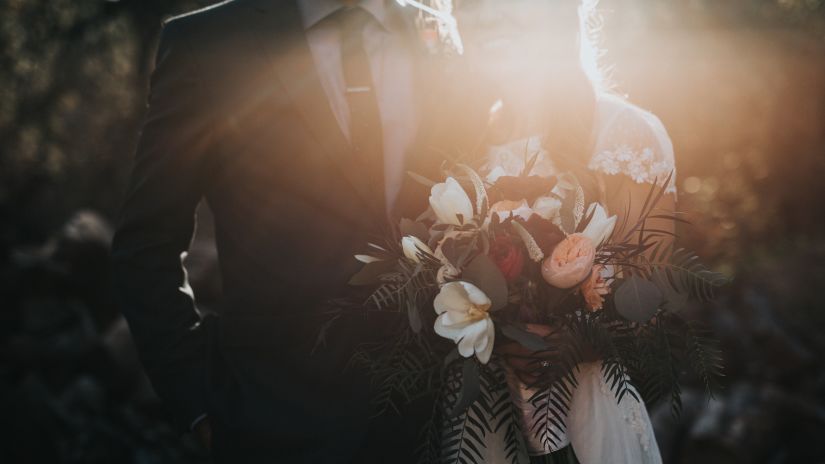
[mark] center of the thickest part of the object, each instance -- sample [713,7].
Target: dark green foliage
[402,371]
[637,299]
[681,272]
[704,357]
[464,431]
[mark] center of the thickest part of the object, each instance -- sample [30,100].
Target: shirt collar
[313,11]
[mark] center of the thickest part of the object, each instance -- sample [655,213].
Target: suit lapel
[281,35]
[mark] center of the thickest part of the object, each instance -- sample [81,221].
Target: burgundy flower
[521,187]
[546,234]
[508,256]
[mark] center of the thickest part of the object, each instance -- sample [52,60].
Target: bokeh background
[740,85]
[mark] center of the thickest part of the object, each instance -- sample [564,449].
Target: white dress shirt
[391,62]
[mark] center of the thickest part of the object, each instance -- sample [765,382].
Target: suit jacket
[237,117]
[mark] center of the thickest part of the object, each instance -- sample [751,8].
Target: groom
[294,121]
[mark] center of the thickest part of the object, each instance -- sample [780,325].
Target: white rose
[547,207]
[449,200]
[412,246]
[463,318]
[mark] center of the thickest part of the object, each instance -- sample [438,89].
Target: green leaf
[459,250]
[416,229]
[371,272]
[484,274]
[675,300]
[637,299]
[470,387]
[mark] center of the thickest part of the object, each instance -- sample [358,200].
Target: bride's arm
[633,154]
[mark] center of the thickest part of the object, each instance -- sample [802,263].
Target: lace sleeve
[633,142]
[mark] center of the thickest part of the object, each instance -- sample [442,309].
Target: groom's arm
[156,225]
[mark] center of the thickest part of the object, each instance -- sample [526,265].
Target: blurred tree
[73,79]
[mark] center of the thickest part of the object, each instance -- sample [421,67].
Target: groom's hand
[203,432]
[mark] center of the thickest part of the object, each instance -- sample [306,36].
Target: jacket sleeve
[155,227]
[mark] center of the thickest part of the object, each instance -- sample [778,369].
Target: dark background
[739,84]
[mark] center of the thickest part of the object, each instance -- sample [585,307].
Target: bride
[531,58]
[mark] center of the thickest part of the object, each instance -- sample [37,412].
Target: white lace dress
[632,142]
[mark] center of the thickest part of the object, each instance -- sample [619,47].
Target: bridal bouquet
[494,257]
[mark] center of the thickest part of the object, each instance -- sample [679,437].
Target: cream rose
[570,263]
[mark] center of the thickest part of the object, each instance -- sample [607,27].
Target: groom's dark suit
[238,116]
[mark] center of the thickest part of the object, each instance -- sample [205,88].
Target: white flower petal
[600,226]
[466,346]
[452,297]
[547,207]
[495,173]
[486,351]
[447,331]
[412,246]
[449,200]
[366,259]
[521,210]
[475,295]
[483,340]
[455,319]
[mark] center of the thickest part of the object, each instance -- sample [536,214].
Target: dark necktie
[365,123]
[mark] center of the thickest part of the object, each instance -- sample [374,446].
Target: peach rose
[570,263]
[594,288]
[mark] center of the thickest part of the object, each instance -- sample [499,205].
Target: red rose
[508,256]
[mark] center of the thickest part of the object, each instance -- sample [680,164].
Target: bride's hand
[527,365]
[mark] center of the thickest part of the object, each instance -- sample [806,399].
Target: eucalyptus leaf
[458,250]
[449,248]
[451,357]
[416,229]
[371,272]
[637,299]
[470,387]
[484,274]
[675,299]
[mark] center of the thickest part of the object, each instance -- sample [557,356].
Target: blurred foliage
[738,85]
[73,77]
